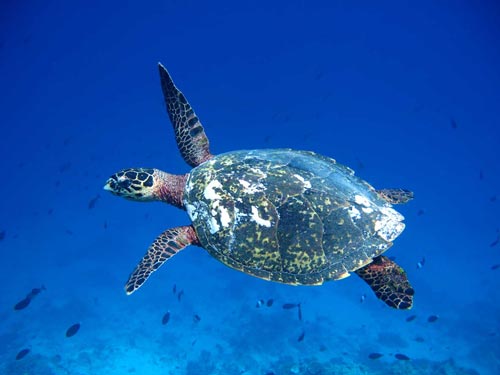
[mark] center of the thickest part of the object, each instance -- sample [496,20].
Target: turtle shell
[294,217]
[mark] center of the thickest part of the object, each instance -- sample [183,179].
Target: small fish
[301,337]
[179,295]
[105,224]
[494,243]
[420,212]
[71,331]
[453,123]
[22,354]
[165,318]
[93,201]
[22,304]
[481,174]
[432,318]
[270,302]
[362,298]
[2,235]
[495,267]
[401,357]
[196,318]
[493,198]
[421,263]
[36,291]
[65,167]
[174,289]
[411,318]
[299,311]
[259,303]
[375,355]
[419,339]
[288,306]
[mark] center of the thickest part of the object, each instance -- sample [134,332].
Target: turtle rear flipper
[396,196]
[189,133]
[164,247]
[389,282]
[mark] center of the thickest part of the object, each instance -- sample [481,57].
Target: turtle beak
[108,185]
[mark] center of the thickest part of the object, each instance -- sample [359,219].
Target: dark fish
[481,174]
[299,311]
[301,337]
[419,339]
[105,224]
[494,243]
[421,262]
[22,304]
[270,302]
[22,354]
[420,212]
[165,318]
[259,303]
[69,231]
[410,318]
[196,318]
[360,163]
[374,355]
[2,235]
[73,330]
[493,198]
[495,266]
[453,123]
[401,357]
[432,318]
[179,295]
[36,291]
[64,167]
[93,201]
[50,211]
[174,289]
[288,306]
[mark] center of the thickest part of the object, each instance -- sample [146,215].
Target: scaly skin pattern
[163,248]
[148,184]
[396,196]
[389,282]
[289,216]
[189,133]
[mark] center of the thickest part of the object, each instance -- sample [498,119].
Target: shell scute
[290,216]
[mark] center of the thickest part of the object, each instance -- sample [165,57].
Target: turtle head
[147,184]
[136,184]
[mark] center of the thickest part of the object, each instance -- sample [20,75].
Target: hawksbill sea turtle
[294,217]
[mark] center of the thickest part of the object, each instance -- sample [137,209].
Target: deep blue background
[405,93]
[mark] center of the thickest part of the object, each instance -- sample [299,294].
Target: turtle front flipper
[164,247]
[189,133]
[389,282]
[396,196]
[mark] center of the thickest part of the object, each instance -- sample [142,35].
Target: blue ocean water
[407,94]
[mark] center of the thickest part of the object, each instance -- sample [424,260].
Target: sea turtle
[294,217]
